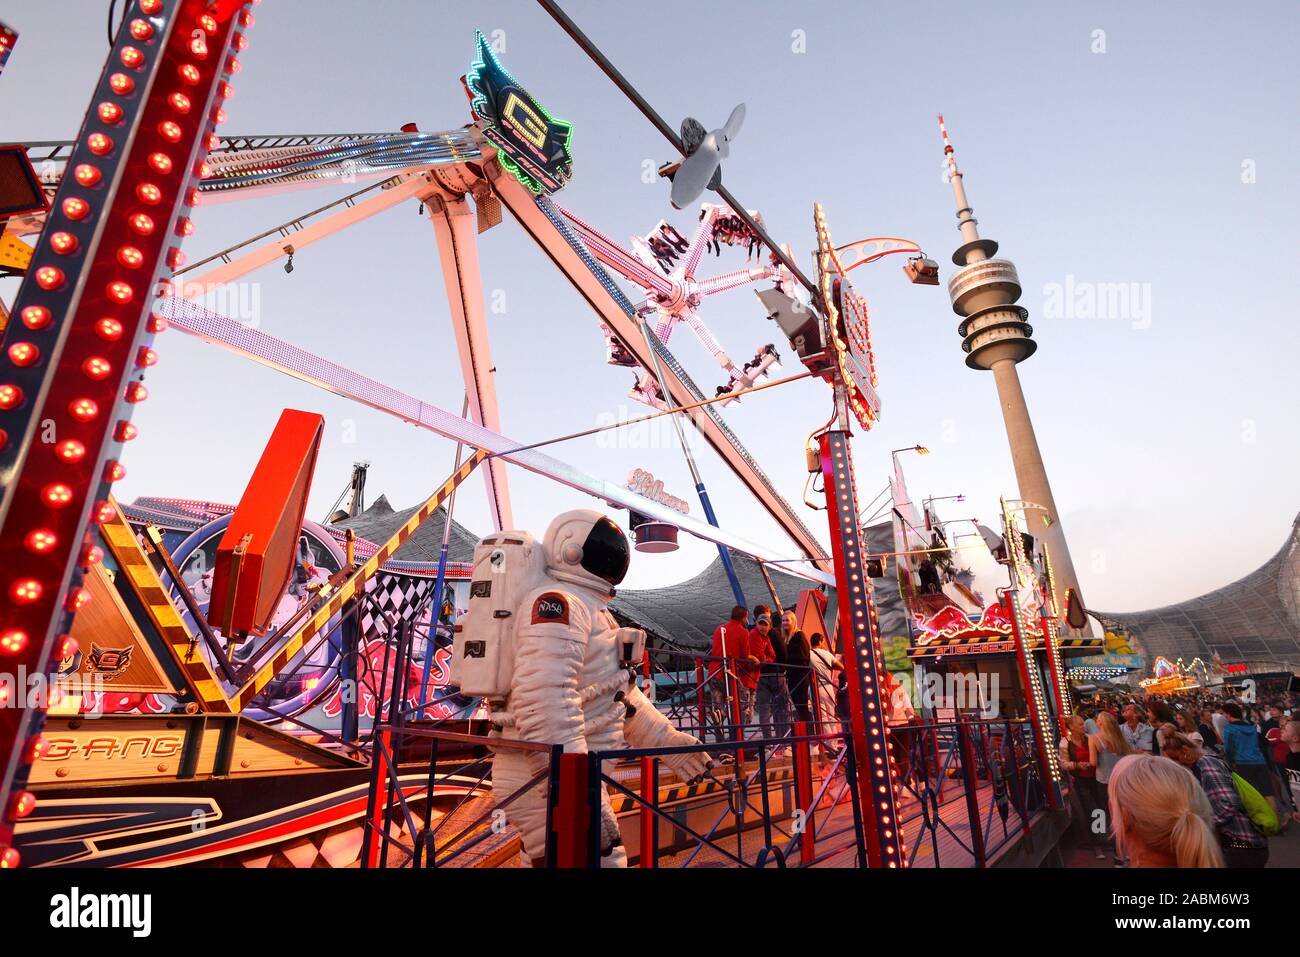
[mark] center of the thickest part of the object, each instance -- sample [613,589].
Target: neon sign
[531,144]
[849,328]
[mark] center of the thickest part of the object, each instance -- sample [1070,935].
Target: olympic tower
[996,336]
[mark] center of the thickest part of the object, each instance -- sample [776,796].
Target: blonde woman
[1105,748]
[1160,815]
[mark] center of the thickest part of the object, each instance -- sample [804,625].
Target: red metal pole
[382,789]
[863,661]
[649,820]
[803,790]
[77,347]
[699,694]
[572,814]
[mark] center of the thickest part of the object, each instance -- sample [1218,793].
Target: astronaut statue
[539,642]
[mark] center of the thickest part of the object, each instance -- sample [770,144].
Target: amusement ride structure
[241,635]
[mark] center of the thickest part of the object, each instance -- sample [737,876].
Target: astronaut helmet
[587,548]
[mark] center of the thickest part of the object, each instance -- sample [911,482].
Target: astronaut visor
[605,553]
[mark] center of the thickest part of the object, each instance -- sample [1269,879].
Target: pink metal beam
[455,224]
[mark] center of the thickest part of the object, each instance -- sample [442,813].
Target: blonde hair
[1161,802]
[1110,735]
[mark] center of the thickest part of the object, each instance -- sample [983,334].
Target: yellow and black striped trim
[169,626]
[684,792]
[1034,644]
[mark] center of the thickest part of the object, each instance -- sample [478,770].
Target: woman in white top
[1187,725]
[825,665]
[1105,748]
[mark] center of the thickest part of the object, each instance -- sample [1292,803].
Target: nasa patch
[550,608]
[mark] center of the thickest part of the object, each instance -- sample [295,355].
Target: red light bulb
[125,431]
[121,84]
[135,392]
[36,317]
[189,73]
[56,495]
[97,368]
[12,641]
[119,292]
[208,22]
[146,357]
[142,223]
[99,143]
[65,244]
[9,858]
[141,29]
[86,175]
[110,330]
[132,57]
[83,410]
[151,6]
[49,277]
[130,257]
[110,113]
[184,226]
[179,102]
[156,323]
[175,258]
[233,65]
[40,540]
[114,471]
[104,512]
[23,803]
[70,450]
[75,208]
[25,591]
[24,354]
[161,162]
[78,599]
[11,397]
[93,555]
[149,193]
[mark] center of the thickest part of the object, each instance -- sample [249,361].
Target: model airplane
[702,167]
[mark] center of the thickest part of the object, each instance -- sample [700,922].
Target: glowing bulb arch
[79,302]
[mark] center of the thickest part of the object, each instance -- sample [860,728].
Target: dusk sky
[1111,146]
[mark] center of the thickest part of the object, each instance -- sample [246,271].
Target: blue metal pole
[435,615]
[723,553]
[712,519]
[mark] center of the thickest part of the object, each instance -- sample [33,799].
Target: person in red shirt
[729,658]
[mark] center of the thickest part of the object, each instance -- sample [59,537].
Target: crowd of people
[775,673]
[1195,779]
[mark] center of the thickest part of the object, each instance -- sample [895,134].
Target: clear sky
[1158,153]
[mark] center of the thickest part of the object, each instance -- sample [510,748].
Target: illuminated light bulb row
[1038,699]
[864,637]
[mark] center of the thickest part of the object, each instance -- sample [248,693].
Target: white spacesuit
[574,679]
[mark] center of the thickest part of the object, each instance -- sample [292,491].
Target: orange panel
[244,595]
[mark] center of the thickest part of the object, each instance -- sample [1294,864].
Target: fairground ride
[104,274]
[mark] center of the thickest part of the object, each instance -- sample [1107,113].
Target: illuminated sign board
[849,328]
[531,144]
